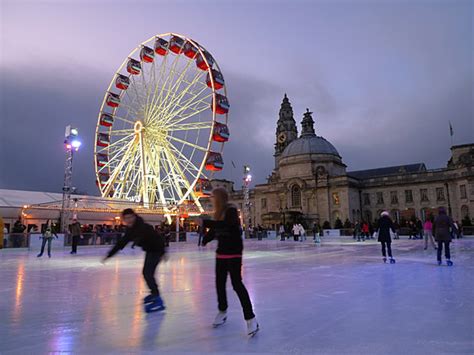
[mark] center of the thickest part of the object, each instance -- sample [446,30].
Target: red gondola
[218,79]
[214,161]
[222,105]
[122,82]
[190,50]
[102,159]
[103,140]
[106,120]
[220,133]
[202,188]
[113,100]
[134,67]
[102,179]
[147,54]
[161,46]
[176,44]
[201,63]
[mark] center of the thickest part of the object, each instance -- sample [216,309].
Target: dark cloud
[383,79]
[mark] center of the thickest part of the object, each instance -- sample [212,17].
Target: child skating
[145,236]
[225,227]
[384,228]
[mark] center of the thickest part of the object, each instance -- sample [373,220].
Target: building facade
[310,183]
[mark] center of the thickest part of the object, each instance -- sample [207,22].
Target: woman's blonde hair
[221,198]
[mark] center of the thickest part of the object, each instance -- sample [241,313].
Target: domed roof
[309,144]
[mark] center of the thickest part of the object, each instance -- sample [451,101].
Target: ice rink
[338,298]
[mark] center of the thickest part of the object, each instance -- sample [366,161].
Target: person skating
[47,238]
[365,231]
[442,227]
[428,233]
[384,228]
[225,227]
[75,229]
[153,243]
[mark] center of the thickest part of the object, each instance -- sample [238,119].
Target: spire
[307,124]
[286,111]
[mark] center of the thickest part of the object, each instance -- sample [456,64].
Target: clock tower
[286,131]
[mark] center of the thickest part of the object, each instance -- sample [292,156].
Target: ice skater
[384,228]
[225,227]
[47,238]
[153,243]
[75,230]
[428,233]
[442,227]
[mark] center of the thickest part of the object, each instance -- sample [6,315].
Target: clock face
[281,137]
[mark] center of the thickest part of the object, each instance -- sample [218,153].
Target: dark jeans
[447,252]
[48,240]
[75,242]
[233,267]
[152,259]
[199,239]
[387,245]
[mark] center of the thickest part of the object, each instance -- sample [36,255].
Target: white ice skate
[252,327]
[220,319]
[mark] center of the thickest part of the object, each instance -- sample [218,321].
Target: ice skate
[252,327]
[449,262]
[155,306]
[392,261]
[220,319]
[148,299]
[439,262]
[39,255]
[384,259]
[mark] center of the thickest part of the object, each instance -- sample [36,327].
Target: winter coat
[385,225]
[441,227]
[227,232]
[75,229]
[143,235]
[428,226]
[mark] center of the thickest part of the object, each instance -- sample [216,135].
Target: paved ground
[337,299]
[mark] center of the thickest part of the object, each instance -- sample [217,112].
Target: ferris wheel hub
[138,127]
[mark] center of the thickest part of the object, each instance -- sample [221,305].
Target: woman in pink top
[428,233]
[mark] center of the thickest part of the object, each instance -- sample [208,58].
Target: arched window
[295,196]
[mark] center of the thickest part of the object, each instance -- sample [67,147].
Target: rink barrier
[33,240]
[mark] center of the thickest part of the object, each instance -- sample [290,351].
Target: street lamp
[71,144]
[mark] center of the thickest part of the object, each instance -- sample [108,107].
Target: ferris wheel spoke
[177,98]
[124,119]
[185,181]
[117,170]
[178,118]
[189,126]
[178,79]
[157,86]
[119,141]
[122,132]
[188,143]
[157,102]
[187,161]
[196,81]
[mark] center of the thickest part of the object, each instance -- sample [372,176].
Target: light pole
[246,180]
[72,144]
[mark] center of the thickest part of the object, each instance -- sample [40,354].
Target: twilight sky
[382,77]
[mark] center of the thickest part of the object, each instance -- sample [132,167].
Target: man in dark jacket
[442,227]
[385,225]
[153,243]
[75,230]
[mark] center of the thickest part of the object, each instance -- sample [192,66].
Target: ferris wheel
[162,124]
